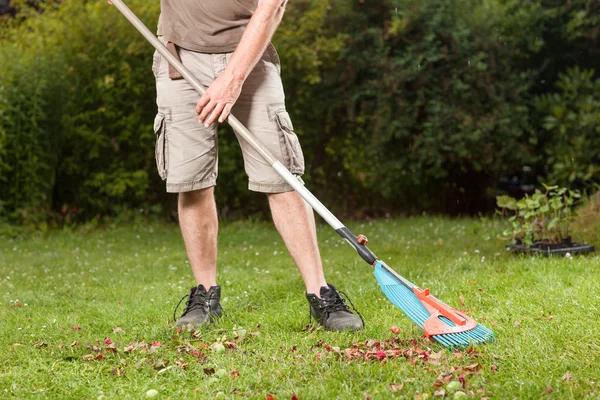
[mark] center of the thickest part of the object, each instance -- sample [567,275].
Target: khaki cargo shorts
[186,151]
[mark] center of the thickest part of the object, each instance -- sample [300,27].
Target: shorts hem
[191,186]
[272,187]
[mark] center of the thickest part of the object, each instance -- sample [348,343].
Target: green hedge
[423,105]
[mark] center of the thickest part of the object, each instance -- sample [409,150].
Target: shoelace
[339,305]
[191,305]
[354,308]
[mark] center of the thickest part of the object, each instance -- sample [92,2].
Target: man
[226,45]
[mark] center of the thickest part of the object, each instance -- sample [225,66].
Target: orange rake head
[439,321]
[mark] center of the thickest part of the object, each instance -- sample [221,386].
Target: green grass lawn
[64,294]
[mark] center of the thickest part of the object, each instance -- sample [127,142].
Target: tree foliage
[422,104]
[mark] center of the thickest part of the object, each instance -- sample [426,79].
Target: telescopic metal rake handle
[246,135]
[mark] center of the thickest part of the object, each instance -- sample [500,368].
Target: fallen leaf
[269,397]
[436,357]
[156,344]
[160,363]
[234,374]
[75,343]
[396,388]
[40,344]
[549,390]
[107,340]
[294,397]
[462,300]
[472,369]
[76,328]
[165,369]
[209,371]
[118,371]
[567,376]
[440,392]
[118,329]
[18,345]
[231,345]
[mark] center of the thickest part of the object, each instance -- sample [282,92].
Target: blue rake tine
[400,292]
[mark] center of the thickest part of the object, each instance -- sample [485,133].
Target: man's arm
[222,94]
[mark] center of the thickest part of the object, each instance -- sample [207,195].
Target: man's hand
[219,98]
[225,90]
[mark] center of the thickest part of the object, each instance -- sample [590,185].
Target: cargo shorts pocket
[290,145]
[161,145]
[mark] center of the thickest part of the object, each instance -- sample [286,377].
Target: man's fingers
[204,100]
[206,110]
[213,116]
[226,112]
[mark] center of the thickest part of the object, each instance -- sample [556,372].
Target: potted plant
[541,222]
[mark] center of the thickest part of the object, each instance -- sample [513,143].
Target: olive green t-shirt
[206,26]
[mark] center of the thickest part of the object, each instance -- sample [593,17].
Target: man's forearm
[258,34]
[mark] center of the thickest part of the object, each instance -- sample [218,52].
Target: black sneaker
[202,307]
[332,312]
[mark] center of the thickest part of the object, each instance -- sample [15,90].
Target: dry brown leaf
[396,388]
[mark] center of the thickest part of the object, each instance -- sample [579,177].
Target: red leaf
[269,397]
[76,328]
[380,354]
[395,330]
[293,349]
[294,397]
[156,344]
[233,374]
[549,390]
[107,340]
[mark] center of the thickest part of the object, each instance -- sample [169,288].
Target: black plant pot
[544,247]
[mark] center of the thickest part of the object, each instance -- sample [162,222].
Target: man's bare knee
[195,196]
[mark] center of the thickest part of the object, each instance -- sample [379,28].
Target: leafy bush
[433,102]
[79,111]
[572,121]
[422,104]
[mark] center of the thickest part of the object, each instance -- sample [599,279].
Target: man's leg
[261,108]
[199,227]
[295,222]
